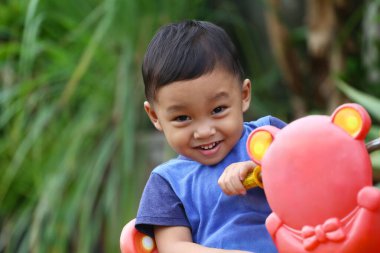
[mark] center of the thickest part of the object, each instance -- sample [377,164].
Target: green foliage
[371,103]
[70,87]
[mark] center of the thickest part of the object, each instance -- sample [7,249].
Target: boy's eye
[181,118]
[218,109]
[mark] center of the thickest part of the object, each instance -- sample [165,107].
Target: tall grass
[70,91]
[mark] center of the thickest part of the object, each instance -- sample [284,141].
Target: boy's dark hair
[185,51]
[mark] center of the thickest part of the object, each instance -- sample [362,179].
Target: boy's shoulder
[263,121]
[175,165]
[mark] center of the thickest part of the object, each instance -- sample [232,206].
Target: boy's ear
[152,115]
[246,94]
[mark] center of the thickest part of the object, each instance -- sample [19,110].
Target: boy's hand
[231,179]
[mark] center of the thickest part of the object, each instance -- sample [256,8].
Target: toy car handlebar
[373,145]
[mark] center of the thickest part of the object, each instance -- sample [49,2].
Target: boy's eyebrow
[174,108]
[220,95]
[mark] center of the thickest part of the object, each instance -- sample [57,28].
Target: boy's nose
[204,131]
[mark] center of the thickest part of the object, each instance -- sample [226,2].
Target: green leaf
[372,104]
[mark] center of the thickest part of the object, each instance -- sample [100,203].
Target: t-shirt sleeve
[159,205]
[264,121]
[276,122]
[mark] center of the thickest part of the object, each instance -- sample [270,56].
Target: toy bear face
[314,167]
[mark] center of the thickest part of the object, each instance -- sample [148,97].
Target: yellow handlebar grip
[253,179]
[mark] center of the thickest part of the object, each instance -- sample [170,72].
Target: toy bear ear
[259,141]
[353,119]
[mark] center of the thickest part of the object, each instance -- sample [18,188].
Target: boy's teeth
[210,146]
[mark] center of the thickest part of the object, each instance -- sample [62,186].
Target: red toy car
[317,176]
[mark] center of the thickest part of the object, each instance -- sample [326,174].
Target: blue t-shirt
[183,192]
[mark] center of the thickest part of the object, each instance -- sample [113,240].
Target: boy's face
[202,118]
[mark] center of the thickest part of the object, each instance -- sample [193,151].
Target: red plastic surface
[132,241]
[317,176]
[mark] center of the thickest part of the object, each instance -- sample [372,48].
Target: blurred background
[76,147]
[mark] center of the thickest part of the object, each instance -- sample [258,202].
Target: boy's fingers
[228,189]
[246,169]
[226,182]
[229,184]
[237,185]
[223,183]
[231,179]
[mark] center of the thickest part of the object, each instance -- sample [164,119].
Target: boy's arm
[178,239]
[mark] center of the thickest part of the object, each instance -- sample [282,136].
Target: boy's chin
[208,161]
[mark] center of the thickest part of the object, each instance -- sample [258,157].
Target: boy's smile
[202,118]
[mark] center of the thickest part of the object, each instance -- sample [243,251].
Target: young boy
[196,95]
